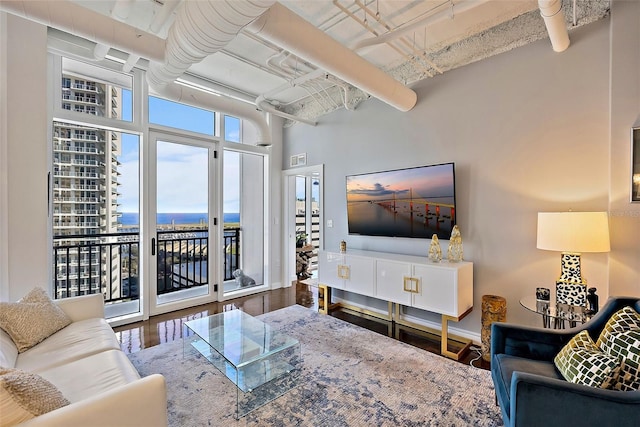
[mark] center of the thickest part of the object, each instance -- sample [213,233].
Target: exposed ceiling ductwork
[305,56]
[75,19]
[200,29]
[286,29]
[105,32]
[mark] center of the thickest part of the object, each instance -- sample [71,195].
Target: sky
[425,181]
[182,169]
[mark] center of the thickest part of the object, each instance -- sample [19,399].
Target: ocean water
[133,218]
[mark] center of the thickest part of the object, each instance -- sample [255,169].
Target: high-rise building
[85,191]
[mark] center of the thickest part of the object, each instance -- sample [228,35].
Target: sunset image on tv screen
[416,202]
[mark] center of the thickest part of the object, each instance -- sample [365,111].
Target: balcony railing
[182,259]
[314,234]
[119,284]
[231,247]
[181,256]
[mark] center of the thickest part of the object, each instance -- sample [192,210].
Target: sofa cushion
[625,319]
[626,346]
[78,340]
[32,319]
[505,365]
[100,372]
[24,395]
[8,350]
[581,362]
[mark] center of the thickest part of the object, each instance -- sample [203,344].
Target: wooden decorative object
[494,309]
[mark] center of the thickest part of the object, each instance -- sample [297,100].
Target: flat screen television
[413,202]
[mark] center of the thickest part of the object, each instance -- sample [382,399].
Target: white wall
[528,131]
[4,188]
[274,229]
[624,277]
[24,180]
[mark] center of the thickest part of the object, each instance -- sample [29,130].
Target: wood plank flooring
[168,327]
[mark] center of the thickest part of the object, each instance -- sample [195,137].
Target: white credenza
[402,280]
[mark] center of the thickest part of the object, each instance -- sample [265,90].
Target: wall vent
[298,160]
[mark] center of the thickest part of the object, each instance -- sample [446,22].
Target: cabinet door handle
[153,246]
[411,284]
[343,271]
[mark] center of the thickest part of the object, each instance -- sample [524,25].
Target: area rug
[350,377]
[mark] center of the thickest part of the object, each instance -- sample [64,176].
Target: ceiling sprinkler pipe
[551,12]
[264,105]
[460,7]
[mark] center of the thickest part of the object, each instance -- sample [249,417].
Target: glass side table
[555,315]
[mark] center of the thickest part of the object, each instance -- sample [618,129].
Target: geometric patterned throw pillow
[581,362]
[626,346]
[623,320]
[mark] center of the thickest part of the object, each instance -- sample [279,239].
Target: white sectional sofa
[84,362]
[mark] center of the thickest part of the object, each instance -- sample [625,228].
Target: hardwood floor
[168,327]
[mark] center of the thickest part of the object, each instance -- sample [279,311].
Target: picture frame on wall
[635,164]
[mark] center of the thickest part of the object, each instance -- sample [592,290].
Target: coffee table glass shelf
[263,363]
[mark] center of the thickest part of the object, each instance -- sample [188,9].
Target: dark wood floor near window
[168,327]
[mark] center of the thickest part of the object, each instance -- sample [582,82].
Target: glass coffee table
[263,363]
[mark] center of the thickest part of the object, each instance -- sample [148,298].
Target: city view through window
[96,196]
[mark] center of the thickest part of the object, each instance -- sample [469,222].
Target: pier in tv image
[414,202]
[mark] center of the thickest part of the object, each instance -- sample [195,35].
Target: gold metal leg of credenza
[443,333]
[444,341]
[324,299]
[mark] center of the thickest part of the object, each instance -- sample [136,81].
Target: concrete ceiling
[453,33]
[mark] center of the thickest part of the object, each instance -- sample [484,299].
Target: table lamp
[572,233]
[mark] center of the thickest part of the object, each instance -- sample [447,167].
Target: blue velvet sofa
[531,391]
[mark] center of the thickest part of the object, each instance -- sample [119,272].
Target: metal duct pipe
[132,60]
[200,29]
[161,17]
[72,18]
[286,29]
[201,99]
[264,105]
[100,51]
[551,12]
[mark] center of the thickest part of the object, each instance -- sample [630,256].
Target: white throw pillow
[24,395]
[32,319]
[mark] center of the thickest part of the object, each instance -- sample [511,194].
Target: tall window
[180,116]
[244,217]
[232,129]
[94,170]
[244,210]
[96,165]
